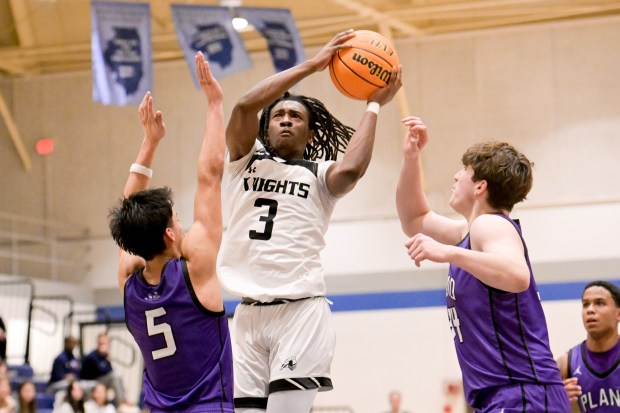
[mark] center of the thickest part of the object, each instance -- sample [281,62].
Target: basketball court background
[550,89]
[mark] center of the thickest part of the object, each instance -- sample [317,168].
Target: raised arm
[243,124]
[154,131]
[413,209]
[345,172]
[202,242]
[139,175]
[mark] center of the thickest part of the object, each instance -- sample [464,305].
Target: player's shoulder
[491,222]
[494,217]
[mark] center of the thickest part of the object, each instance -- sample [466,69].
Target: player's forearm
[359,150]
[411,202]
[356,159]
[269,89]
[146,154]
[136,181]
[211,158]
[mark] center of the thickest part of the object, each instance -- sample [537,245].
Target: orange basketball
[359,70]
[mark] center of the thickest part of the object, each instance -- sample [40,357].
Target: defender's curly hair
[330,135]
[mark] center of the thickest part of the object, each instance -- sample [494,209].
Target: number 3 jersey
[500,337]
[186,348]
[278,214]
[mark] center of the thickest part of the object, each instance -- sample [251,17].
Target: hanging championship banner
[209,29]
[278,27]
[121,52]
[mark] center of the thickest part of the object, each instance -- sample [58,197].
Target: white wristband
[142,170]
[373,107]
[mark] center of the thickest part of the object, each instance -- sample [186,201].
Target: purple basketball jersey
[501,338]
[600,389]
[186,348]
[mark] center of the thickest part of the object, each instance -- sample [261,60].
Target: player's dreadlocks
[330,135]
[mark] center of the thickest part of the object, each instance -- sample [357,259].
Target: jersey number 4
[267,219]
[455,323]
[161,328]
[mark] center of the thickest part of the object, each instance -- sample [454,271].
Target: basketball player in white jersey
[280,200]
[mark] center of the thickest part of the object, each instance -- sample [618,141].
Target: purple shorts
[523,397]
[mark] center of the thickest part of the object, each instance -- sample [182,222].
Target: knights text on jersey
[186,348]
[501,338]
[279,212]
[600,390]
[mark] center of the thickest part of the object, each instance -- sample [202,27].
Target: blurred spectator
[66,367]
[74,400]
[99,402]
[26,394]
[2,339]
[96,366]
[4,369]
[7,402]
[395,399]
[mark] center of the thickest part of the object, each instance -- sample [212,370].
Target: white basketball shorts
[280,347]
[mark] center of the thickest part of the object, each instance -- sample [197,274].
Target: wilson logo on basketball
[365,66]
[375,69]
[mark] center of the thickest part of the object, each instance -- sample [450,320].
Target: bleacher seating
[19,373]
[40,384]
[44,402]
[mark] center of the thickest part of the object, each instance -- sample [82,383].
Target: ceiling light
[239,23]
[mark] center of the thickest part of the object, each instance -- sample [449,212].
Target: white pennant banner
[209,29]
[278,27]
[121,52]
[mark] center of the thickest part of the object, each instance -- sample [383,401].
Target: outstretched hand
[338,42]
[208,83]
[387,93]
[416,137]
[152,122]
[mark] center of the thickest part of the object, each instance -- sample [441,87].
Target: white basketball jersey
[278,214]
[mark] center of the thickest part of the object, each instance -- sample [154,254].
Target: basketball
[359,70]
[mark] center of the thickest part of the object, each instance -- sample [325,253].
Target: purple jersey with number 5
[186,348]
[501,338]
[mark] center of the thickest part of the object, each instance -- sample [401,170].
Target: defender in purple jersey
[591,369]
[494,310]
[172,296]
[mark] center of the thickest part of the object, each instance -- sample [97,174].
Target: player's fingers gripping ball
[360,70]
